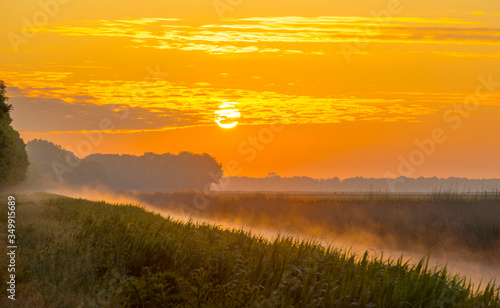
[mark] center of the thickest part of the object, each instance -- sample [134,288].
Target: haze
[354,90]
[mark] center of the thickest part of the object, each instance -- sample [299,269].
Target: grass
[79,253]
[470,222]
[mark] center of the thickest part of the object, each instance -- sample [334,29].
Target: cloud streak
[248,35]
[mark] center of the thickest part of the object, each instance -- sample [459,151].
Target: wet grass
[78,253]
[470,222]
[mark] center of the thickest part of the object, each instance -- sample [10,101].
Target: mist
[456,229]
[357,223]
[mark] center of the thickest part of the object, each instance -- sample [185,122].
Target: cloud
[179,107]
[270,34]
[43,115]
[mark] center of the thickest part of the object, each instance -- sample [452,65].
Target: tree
[159,171]
[13,157]
[50,163]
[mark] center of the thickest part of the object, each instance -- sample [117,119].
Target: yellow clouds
[287,35]
[290,64]
[164,105]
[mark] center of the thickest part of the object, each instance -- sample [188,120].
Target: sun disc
[227,115]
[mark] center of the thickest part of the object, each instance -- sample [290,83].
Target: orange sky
[324,88]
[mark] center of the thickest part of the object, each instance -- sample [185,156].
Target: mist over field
[454,220]
[250,154]
[441,229]
[460,231]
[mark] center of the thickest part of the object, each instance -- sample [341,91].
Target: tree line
[13,157]
[52,165]
[275,183]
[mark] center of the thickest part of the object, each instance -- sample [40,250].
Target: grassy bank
[81,253]
[432,222]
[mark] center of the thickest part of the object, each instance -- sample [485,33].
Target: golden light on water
[227,115]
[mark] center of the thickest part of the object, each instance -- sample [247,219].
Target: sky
[317,88]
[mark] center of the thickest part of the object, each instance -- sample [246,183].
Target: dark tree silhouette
[166,172]
[274,182]
[159,171]
[13,157]
[51,163]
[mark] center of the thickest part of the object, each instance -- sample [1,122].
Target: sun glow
[226,116]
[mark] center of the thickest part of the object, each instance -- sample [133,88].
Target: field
[465,223]
[80,253]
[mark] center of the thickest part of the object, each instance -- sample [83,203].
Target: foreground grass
[78,253]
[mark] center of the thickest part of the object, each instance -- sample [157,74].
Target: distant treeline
[51,166]
[358,184]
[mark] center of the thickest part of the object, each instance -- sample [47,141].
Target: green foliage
[83,253]
[13,157]
[5,108]
[153,290]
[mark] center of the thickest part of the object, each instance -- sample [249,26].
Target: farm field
[229,153]
[75,252]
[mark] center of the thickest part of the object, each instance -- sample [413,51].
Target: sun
[227,115]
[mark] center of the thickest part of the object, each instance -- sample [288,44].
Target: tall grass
[78,253]
[433,221]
